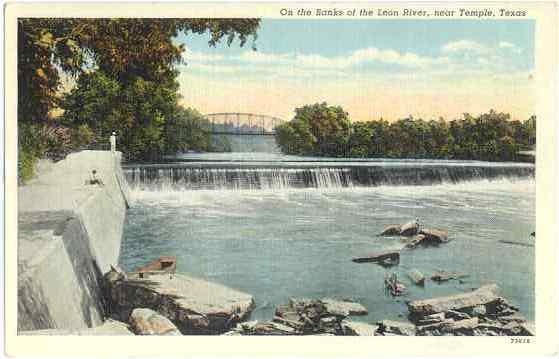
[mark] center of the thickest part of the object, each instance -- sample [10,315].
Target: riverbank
[69,234]
[70,223]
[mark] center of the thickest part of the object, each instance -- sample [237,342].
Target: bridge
[239,123]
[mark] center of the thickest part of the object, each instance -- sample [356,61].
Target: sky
[372,68]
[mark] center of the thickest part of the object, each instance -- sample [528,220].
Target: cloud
[464,46]
[464,56]
[505,45]
[190,56]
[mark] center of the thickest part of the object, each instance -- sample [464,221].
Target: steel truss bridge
[239,123]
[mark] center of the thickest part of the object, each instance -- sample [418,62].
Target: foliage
[490,136]
[122,48]
[124,70]
[186,131]
[40,140]
[316,129]
[136,110]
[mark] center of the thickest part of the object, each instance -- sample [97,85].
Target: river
[279,226]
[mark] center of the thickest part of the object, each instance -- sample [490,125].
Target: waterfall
[211,177]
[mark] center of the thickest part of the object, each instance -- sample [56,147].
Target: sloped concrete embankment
[69,233]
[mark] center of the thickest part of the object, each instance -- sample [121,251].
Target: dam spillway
[186,176]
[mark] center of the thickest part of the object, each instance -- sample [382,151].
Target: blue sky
[373,68]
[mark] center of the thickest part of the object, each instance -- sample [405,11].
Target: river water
[276,226]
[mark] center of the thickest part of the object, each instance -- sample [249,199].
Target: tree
[121,48]
[135,57]
[316,129]
[295,138]
[187,130]
[324,130]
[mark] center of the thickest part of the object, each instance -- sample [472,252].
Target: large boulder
[434,236]
[358,328]
[486,295]
[194,305]
[316,316]
[343,307]
[147,322]
[392,230]
[262,328]
[409,229]
[390,327]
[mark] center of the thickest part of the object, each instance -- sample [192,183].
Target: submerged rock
[194,305]
[388,257]
[147,322]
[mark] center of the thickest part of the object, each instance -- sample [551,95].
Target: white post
[113,142]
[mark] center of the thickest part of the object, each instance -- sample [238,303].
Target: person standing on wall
[113,142]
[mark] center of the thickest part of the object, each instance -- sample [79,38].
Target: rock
[291,316]
[329,325]
[424,322]
[299,304]
[294,323]
[358,328]
[434,236]
[479,311]
[456,315]
[267,328]
[409,229]
[378,257]
[392,230]
[415,241]
[232,332]
[511,318]
[461,325]
[393,286]
[397,328]
[416,277]
[247,326]
[194,305]
[528,329]
[443,276]
[343,308]
[147,322]
[482,296]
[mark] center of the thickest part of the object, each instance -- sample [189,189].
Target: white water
[287,241]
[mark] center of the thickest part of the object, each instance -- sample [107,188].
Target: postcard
[281,179]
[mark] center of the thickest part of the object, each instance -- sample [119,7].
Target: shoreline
[70,233]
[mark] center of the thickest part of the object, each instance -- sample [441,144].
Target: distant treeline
[322,130]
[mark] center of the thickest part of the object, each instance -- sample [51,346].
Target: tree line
[323,130]
[124,79]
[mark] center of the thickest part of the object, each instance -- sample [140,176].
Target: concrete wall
[69,234]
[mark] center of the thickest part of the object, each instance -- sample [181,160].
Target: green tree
[134,56]
[326,131]
[316,129]
[187,130]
